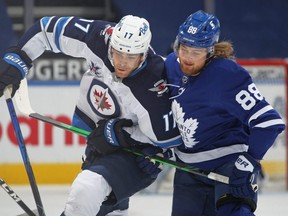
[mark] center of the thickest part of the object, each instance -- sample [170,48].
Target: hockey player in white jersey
[226,124]
[123,102]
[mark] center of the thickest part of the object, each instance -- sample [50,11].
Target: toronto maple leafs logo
[186,127]
[102,100]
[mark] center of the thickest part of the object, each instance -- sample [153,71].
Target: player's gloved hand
[152,168]
[13,68]
[243,181]
[109,136]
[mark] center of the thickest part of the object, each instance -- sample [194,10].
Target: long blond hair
[224,49]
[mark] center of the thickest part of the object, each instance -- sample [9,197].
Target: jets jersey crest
[102,100]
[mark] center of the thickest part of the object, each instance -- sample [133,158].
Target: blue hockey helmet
[200,30]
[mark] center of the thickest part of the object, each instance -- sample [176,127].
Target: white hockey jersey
[141,97]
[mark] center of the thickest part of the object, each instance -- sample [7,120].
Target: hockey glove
[149,166]
[109,136]
[13,68]
[243,181]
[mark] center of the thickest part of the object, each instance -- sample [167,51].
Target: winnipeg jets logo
[101,99]
[159,87]
[143,29]
[107,32]
[95,69]
[186,127]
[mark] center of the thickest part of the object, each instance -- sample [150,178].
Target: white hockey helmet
[131,35]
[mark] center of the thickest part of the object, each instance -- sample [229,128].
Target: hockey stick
[178,165]
[23,104]
[16,198]
[22,147]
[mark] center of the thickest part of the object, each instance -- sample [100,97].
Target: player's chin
[122,73]
[188,70]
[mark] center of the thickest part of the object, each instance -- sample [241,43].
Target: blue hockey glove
[109,136]
[13,68]
[149,166]
[243,181]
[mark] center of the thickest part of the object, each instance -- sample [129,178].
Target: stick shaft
[23,104]
[16,198]
[24,153]
[175,164]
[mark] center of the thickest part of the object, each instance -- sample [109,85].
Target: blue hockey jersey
[220,112]
[140,97]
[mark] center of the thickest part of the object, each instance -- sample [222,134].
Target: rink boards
[55,155]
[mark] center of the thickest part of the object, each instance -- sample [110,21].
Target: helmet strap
[110,54]
[143,57]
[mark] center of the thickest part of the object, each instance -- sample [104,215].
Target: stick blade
[22,99]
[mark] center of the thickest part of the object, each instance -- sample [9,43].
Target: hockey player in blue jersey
[123,102]
[226,124]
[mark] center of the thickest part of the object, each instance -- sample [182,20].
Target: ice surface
[53,198]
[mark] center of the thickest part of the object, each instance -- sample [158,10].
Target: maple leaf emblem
[186,127]
[101,99]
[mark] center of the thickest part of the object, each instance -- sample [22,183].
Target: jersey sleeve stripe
[270,123]
[45,22]
[260,112]
[59,28]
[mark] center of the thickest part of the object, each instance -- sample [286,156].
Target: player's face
[191,59]
[125,64]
